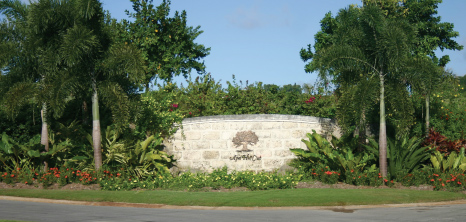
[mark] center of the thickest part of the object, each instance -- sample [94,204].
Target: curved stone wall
[206,143]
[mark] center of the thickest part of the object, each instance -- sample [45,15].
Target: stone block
[193,135]
[271,125]
[273,163]
[220,126]
[236,126]
[308,127]
[290,125]
[201,145]
[283,153]
[273,144]
[263,134]
[227,135]
[298,134]
[254,126]
[216,164]
[200,165]
[293,144]
[281,134]
[192,155]
[201,126]
[210,155]
[219,145]
[211,135]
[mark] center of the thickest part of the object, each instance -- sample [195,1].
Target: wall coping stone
[255,118]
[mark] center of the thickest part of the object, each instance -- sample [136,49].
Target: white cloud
[247,18]
[255,17]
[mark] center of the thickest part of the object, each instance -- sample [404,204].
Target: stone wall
[205,143]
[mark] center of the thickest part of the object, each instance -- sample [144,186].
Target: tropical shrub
[442,144]
[403,155]
[337,156]
[139,157]
[443,163]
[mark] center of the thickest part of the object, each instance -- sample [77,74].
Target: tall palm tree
[22,81]
[370,44]
[94,59]
[74,52]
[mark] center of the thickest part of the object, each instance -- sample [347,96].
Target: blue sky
[260,40]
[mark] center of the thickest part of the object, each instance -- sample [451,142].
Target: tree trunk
[96,135]
[427,113]
[85,114]
[362,131]
[44,137]
[382,131]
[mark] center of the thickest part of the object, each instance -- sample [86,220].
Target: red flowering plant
[325,175]
[454,181]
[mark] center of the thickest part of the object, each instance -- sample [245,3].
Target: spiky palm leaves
[367,46]
[75,55]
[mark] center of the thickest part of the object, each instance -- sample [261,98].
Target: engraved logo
[245,138]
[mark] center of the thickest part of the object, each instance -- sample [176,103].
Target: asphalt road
[29,210]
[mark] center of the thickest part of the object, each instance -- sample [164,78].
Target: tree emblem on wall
[244,138]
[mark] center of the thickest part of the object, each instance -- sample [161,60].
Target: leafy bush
[454,161]
[442,144]
[403,155]
[338,157]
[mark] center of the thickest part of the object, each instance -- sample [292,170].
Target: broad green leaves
[336,155]
[167,43]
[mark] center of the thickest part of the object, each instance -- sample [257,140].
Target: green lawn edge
[267,198]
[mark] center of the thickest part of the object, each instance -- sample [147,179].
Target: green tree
[24,81]
[432,34]
[371,44]
[99,62]
[77,52]
[167,43]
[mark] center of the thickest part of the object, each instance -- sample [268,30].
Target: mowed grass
[268,198]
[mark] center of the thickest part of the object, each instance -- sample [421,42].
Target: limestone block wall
[205,143]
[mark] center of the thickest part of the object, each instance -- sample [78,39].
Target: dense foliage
[378,75]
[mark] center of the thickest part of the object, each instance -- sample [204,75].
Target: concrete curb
[163,206]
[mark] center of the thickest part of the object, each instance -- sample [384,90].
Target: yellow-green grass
[268,198]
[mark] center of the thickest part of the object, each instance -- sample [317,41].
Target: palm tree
[22,81]
[369,44]
[74,52]
[98,62]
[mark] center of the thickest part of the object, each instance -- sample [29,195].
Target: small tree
[244,138]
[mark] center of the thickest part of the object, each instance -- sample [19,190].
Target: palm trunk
[85,113]
[96,135]
[382,131]
[427,113]
[362,131]
[44,137]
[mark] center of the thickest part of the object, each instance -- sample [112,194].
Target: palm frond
[19,95]
[117,100]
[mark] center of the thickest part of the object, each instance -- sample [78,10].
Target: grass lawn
[268,198]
